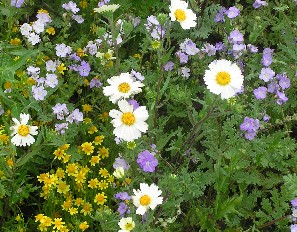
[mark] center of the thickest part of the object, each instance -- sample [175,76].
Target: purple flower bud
[232,12]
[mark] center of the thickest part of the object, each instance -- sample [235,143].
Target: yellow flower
[87,148]
[83,226]
[92,130]
[51,31]
[80,177]
[59,154]
[31,81]
[100,198]
[104,152]
[66,158]
[87,108]
[60,173]
[110,179]
[63,187]
[72,169]
[4,138]
[83,4]
[18,218]
[103,172]
[58,223]
[46,221]
[86,82]
[65,147]
[10,162]
[131,145]
[93,183]
[42,11]
[155,44]
[7,85]
[87,209]
[61,68]
[79,201]
[137,55]
[38,217]
[104,116]
[67,205]
[98,140]
[73,211]
[15,41]
[94,160]
[103,184]
[80,52]
[87,120]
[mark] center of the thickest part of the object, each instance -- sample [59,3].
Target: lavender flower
[273,87]
[260,93]
[122,196]
[232,12]
[189,47]
[61,127]
[293,228]
[120,162]
[146,161]
[17,3]
[220,46]
[39,93]
[220,15]
[60,110]
[62,50]
[168,66]
[266,118]
[209,49]
[294,202]
[51,80]
[123,208]
[76,116]
[183,58]
[284,81]
[184,72]
[134,103]
[71,6]
[252,48]
[259,3]
[235,37]
[51,66]
[84,69]
[267,57]
[266,74]
[137,75]
[250,127]
[95,83]
[281,98]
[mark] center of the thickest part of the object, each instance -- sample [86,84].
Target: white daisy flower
[128,123]
[147,197]
[126,224]
[224,78]
[22,133]
[122,87]
[107,8]
[179,12]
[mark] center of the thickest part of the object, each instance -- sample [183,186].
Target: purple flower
[147,161]
[220,46]
[17,3]
[260,93]
[209,49]
[76,116]
[184,72]
[51,80]
[250,135]
[137,75]
[189,47]
[95,83]
[267,57]
[281,98]
[266,74]
[122,196]
[252,48]
[123,208]
[266,118]
[273,87]
[232,12]
[62,50]
[39,93]
[284,81]
[220,15]
[259,3]
[71,6]
[134,103]
[168,66]
[294,202]
[237,50]
[119,162]
[103,2]
[183,58]
[61,127]
[250,124]
[235,37]
[293,228]
[60,110]
[84,69]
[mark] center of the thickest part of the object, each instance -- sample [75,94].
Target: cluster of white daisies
[128,121]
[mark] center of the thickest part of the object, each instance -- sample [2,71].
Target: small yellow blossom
[15,41]
[92,130]
[94,160]
[10,162]
[104,152]
[93,183]
[65,147]
[104,116]
[86,82]
[18,218]
[73,211]
[80,177]
[51,31]
[72,169]
[155,44]
[80,52]
[67,205]
[87,148]
[79,201]
[7,85]
[100,198]
[87,120]
[60,173]
[61,68]
[102,185]
[86,209]
[66,158]
[59,154]
[103,172]
[83,4]
[98,139]
[63,187]
[137,55]
[58,223]
[87,108]
[83,226]
[42,11]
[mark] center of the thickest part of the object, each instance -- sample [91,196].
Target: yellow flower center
[129,226]
[145,200]
[23,130]
[180,15]
[124,87]
[128,118]
[223,78]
